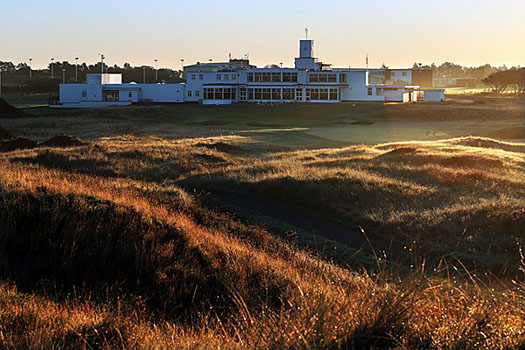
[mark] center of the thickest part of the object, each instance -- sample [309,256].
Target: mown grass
[102,248]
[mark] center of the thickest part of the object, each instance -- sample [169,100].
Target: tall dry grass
[113,254]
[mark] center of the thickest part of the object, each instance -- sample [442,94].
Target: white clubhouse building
[310,81]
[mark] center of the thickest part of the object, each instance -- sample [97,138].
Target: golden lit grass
[271,295]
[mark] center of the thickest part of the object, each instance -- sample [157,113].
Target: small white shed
[434,95]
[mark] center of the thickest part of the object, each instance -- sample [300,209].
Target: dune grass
[454,199]
[103,246]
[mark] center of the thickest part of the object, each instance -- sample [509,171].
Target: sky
[396,33]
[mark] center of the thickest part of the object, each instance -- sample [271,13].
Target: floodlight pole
[156,71]
[76,69]
[30,70]
[63,75]
[102,63]
[0,81]
[144,74]
[52,72]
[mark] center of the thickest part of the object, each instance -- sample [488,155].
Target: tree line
[513,79]
[19,79]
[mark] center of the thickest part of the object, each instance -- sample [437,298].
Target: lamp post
[30,70]
[420,65]
[63,74]
[181,67]
[76,69]
[156,71]
[52,72]
[144,74]
[102,63]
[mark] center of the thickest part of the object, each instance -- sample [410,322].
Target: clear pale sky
[397,33]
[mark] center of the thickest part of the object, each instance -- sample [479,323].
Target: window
[287,77]
[251,77]
[299,94]
[369,91]
[201,76]
[242,93]
[393,74]
[332,78]
[84,93]
[258,94]
[189,93]
[267,94]
[294,77]
[314,78]
[287,94]
[234,77]
[130,94]
[404,74]
[276,94]
[227,93]
[218,94]
[226,77]
[267,77]
[379,92]
[314,94]
[197,93]
[323,94]
[276,77]
[193,77]
[334,94]
[218,77]
[342,78]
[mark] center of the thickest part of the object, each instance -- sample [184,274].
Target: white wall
[128,96]
[71,92]
[394,95]
[357,89]
[94,92]
[434,95]
[162,92]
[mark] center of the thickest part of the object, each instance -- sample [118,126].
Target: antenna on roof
[306,33]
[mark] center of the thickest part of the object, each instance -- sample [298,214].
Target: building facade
[217,83]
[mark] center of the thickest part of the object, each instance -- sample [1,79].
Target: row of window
[270,94]
[223,76]
[220,93]
[323,77]
[395,73]
[322,94]
[272,77]
[197,93]
[286,94]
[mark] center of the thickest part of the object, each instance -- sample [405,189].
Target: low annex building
[236,80]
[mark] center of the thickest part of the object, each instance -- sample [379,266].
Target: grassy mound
[105,260]
[9,111]
[5,135]
[62,140]
[17,143]
[20,143]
